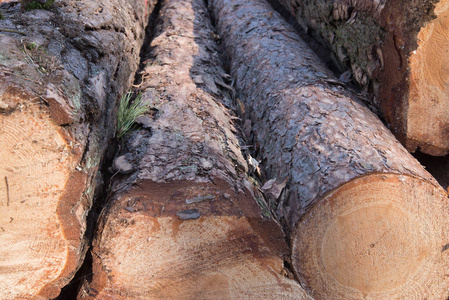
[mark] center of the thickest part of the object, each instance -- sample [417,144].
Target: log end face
[379,236]
[36,161]
[427,117]
[148,235]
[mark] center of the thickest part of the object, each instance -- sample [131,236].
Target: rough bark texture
[331,148]
[397,52]
[61,72]
[183,222]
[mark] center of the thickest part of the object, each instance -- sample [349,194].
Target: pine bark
[61,72]
[399,54]
[363,216]
[182,221]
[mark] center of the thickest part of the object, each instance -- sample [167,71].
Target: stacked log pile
[398,53]
[61,72]
[364,218]
[182,221]
[355,215]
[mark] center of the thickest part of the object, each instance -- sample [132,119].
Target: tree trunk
[182,220]
[398,54]
[364,218]
[61,72]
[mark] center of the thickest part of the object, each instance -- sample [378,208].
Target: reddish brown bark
[184,219]
[61,72]
[397,53]
[350,182]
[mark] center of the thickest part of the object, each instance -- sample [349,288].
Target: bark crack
[7,191]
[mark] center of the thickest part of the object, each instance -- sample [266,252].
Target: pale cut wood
[364,218]
[143,250]
[182,221]
[398,53]
[375,236]
[39,250]
[426,117]
[52,136]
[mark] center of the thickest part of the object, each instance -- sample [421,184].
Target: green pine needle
[36,5]
[129,111]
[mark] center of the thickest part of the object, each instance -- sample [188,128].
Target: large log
[364,218]
[182,221]
[398,53]
[61,72]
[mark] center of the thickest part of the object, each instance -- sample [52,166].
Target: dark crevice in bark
[245,140]
[149,35]
[149,30]
[104,179]
[288,269]
[70,291]
[438,166]
[221,50]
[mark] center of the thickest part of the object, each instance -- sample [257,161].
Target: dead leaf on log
[274,188]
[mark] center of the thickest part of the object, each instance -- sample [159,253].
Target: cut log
[364,218]
[182,221]
[399,54]
[59,82]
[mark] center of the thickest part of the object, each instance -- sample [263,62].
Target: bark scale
[364,217]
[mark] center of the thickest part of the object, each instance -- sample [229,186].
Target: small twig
[21,77]
[12,31]
[7,191]
[144,76]
[24,78]
[445,247]
[199,199]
